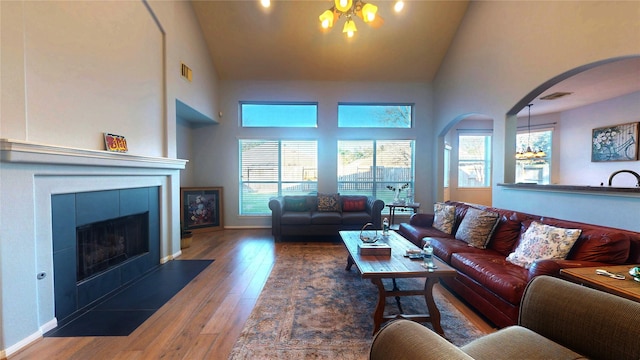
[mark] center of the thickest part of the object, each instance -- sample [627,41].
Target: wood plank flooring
[203,320]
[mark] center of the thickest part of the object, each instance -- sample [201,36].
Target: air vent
[186,72]
[555,95]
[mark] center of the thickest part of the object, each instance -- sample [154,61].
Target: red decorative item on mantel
[115,143]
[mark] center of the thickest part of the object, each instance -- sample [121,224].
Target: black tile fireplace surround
[71,214]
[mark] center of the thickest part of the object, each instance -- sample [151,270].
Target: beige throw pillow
[476,227]
[444,217]
[542,241]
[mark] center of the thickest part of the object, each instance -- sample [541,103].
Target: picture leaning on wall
[615,143]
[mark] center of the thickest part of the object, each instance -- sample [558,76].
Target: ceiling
[286,43]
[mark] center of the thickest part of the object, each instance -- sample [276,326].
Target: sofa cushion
[326,218]
[542,241]
[476,227]
[517,342]
[296,218]
[329,202]
[507,231]
[444,248]
[292,203]
[494,272]
[356,218]
[598,243]
[444,217]
[354,203]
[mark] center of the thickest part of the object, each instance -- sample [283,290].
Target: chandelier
[530,154]
[351,9]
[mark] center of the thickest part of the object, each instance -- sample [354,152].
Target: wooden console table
[627,288]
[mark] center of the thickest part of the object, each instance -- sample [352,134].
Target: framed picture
[201,209]
[615,143]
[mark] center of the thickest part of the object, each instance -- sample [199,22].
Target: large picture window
[279,114]
[375,116]
[474,160]
[538,169]
[273,168]
[367,167]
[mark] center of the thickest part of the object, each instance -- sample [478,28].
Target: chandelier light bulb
[326,19]
[343,5]
[265,3]
[349,28]
[369,12]
[398,6]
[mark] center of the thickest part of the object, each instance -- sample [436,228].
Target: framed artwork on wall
[615,143]
[201,209]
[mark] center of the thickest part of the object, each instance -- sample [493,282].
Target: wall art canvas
[201,209]
[615,143]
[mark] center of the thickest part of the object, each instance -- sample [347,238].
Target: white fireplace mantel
[17,151]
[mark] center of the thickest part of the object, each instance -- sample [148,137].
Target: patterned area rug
[311,307]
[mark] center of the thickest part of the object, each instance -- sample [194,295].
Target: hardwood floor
[203,320]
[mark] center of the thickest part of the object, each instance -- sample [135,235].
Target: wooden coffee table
[394,267]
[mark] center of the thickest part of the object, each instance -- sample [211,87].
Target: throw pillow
[476,227]
[351,204]
[295,204]
[329,202]
[444,217]
[541,241]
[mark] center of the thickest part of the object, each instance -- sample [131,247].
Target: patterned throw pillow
[352,204]
[542,241]
[329,202]
[444,217]
[476,227]
[295,204]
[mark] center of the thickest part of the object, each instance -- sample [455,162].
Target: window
[279,115]
[536,170]
[447,165]
[367,167]
[275,167]
[375,116]
[474,161]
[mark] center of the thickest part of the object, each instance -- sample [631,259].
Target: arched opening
[574,105]
[466,158]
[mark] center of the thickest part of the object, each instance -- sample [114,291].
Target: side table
[401,207]
[627,288]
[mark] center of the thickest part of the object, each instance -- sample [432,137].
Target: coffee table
[394,267]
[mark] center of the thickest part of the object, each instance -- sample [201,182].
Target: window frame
[487,161]
[381,104]
[241,113]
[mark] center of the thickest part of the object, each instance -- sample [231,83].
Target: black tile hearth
[122,313]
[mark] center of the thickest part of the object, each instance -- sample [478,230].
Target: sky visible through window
[279,115]
[374,116]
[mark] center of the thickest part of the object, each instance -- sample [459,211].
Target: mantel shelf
[16,151]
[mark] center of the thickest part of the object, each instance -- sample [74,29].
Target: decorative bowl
[635,273]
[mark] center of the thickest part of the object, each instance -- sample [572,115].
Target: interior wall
[184,143]
[216,155]
[71,71]
[482,74]
[577,125]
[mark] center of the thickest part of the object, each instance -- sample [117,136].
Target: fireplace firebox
[104,244]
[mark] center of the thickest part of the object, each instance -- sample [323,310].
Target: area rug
[311,307]
[122,313]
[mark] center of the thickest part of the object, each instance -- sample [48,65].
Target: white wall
[504,50]
[71,71]
[576,126]
[215,148]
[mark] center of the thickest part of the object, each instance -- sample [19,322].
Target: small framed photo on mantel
[201,208]
[115,143]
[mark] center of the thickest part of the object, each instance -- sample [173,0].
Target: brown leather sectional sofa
[493,285]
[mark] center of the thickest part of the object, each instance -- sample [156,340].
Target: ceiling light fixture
[530,154]
[351,9]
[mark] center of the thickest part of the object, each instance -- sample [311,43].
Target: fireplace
[105,244]
[102,241]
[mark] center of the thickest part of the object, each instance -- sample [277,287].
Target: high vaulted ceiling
[286,41]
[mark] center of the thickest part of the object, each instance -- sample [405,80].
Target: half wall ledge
[602,190]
